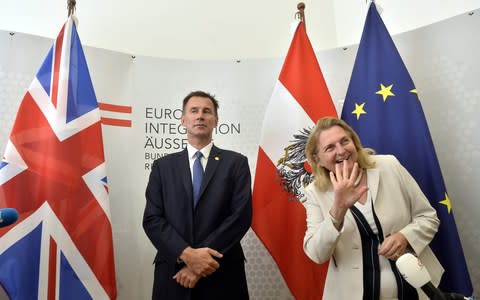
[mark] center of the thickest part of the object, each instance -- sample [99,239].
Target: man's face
[199,117]
[335,147]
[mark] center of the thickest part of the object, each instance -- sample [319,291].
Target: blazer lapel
[373,177]
[186,176]
[213,161]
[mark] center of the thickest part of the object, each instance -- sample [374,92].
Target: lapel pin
[217,158]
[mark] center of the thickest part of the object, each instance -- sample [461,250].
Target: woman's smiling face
[335,147]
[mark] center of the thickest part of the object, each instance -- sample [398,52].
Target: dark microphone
[8,216]
[415,273]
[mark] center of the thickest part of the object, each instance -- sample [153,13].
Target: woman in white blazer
[363,212]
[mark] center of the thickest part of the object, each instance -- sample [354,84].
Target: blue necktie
[197,177]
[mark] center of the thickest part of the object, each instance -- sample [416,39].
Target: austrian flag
[299,99]
[53,172]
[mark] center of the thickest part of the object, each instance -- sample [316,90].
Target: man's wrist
[184,255]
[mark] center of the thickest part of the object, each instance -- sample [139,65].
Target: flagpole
[71,7]
[300,14]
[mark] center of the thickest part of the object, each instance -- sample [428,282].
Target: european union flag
[383,107]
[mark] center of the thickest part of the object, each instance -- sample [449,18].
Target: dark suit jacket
[219,221]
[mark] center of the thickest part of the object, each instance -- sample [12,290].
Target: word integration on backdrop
[164,133]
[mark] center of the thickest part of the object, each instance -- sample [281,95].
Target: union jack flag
[53,172]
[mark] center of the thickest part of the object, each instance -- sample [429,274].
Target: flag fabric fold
[382,106]
[53,172]
[299,99]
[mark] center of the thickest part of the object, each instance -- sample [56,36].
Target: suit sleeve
[424,223]
[321,236]
[160,232]
[237,222]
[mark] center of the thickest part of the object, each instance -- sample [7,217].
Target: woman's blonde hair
[321,174]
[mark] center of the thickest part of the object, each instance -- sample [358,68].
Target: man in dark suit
[197,231]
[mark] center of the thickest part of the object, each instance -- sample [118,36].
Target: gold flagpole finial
[71,7]
[300,14]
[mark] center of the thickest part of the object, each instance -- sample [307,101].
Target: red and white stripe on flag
[299,99]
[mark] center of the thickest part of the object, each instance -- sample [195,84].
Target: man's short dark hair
[203,95]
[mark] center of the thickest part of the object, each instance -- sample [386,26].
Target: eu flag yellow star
[359,110]
[385,91]
[447,203]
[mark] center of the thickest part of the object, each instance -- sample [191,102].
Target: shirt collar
[205,150]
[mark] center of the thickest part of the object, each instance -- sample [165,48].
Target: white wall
[217,29]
